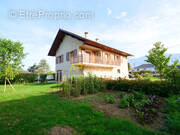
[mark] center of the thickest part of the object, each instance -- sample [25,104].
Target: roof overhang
[61,34]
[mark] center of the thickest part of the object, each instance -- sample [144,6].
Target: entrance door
[59,75]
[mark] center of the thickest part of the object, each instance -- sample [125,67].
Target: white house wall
[68,44]
[109,72]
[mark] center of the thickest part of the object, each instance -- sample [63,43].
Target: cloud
[109,11]
[37,42]
[123,14]
[139,32]
[37,52]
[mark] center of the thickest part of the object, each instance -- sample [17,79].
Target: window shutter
[75,52]
[56,60]
[67,56]
[62,58]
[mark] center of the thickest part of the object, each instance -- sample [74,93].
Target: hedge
[148,87]
[25,78]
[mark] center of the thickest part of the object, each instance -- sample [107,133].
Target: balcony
[94,61]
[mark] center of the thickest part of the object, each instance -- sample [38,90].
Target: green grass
[151,78]
[31,110]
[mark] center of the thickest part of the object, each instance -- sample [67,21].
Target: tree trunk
[10,84]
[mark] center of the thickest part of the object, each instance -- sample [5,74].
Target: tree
[11,55]
[43,66]
[33,68]
[160,61]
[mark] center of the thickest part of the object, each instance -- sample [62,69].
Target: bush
[75,86]
[145,72]
[123,103]
[146,86]
[173,115]
[25,78]
[66,89]
[43,78]
[138,95]
[110,99]
[83,85]
[146,108]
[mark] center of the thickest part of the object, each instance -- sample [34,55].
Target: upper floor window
[75,52]
[56,60]
[60,59]
[67,56]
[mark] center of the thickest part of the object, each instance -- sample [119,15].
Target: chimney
[85,34]
[97,39]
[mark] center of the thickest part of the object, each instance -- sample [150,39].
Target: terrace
[94,56]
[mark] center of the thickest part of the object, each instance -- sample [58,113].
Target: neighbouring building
[77,55]
[145,67]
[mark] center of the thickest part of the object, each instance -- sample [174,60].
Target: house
[77,55]
[145,67]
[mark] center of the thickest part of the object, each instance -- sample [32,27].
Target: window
[67,56]
[56,60]
[75,52]
[59,59]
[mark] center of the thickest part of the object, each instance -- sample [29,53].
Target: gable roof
[61,34]
[143,66]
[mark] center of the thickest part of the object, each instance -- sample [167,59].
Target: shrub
[66,89]
[110,99]
[25,78]
[83,85]
[123,103]
[173,114]
[89,84]
[146,109]
[146,86]
[43,78]
[121,94]
[131,99]
[145,72]
[138,95]
[75,86]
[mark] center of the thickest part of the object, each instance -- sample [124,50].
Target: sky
[130,26]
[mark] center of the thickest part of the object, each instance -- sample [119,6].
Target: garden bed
[107,102]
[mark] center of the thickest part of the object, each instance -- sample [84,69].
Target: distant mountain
[141,60]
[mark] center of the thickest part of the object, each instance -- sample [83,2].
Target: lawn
[151,78]
[32,110]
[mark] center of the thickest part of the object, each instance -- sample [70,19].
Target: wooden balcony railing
[94,60]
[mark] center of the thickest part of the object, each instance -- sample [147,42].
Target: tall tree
[160,61]
[33,68]
[43,66]
[11,55]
